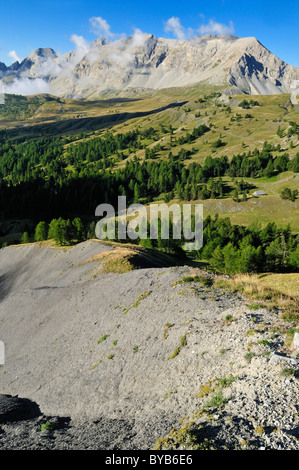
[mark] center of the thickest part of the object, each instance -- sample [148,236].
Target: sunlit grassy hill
[237,125]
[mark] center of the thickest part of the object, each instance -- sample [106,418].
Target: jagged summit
[144,61]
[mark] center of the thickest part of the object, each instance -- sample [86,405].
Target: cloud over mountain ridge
[143,61]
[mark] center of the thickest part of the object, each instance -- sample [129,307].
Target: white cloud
[14,56]
[26,86]
[173,25]
[138,39]
[123,46]
[81,44]
[47,67]
[124,49]
[82,49]
[101,27]
[216,28]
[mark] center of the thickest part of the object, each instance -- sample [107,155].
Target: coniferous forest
[57,182]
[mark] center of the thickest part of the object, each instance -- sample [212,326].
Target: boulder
[17,409]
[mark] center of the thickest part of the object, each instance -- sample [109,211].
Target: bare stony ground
[137,360]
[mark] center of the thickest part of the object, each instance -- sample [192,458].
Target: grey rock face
[144,61]
[3,69]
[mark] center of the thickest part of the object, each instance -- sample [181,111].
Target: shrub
[25,238]
[183,343]
[288,372]
[47,426]
[217,400]
[103,339]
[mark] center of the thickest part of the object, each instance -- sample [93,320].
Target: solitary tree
[25,238]
[79,229]
[41,232]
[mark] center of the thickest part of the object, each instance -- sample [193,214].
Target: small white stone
[295,343]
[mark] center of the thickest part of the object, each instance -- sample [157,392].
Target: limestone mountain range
[144,62]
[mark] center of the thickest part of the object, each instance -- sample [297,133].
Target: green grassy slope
[240,130]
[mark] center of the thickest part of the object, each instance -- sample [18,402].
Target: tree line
[226,247]
[234,248]
[54,194]
[46,180]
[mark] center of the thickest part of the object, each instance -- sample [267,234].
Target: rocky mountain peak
[143,61]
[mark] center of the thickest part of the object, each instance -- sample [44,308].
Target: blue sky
[25,26]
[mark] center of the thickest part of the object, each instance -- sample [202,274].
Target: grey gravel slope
[94,349]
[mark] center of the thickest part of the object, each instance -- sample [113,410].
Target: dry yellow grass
[279,290]
[259,284]
[124,257]
[116,260]
[287,283]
